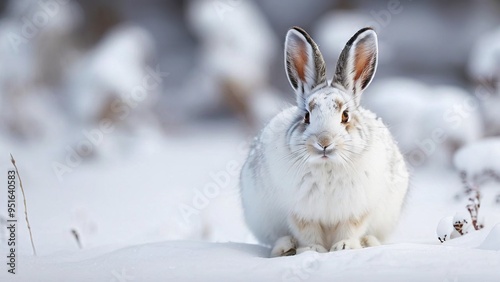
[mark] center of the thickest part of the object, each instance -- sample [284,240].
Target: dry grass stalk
[25,205]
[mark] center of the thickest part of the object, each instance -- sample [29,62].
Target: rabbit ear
[304,63]
[357,62]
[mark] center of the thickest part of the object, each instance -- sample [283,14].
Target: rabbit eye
[306,118]
[345,116]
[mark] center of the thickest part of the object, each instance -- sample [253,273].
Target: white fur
[287,181]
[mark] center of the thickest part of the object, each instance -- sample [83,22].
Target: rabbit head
[329,126]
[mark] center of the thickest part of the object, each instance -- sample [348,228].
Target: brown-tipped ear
[304,63]
[357,62]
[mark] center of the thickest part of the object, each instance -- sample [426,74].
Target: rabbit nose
[324,146]
[324,140]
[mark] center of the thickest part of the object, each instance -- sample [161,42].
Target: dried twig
[25,205]
[77,237]
[473,208]
[460,225]
[487,175]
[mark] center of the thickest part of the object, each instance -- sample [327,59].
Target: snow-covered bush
[110,71]
[429,122]
[32,59]
[479,163]
[484,68]
[333,29]
[464,221]
[237,48]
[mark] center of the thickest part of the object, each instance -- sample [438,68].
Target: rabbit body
[325,174]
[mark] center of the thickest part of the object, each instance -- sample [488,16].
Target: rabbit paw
[284,246]
[370,241]
[315,248]
[347,244]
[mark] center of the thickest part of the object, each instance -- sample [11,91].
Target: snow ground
[127,210]
[197,261]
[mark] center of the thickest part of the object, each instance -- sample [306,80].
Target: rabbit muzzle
[324,145]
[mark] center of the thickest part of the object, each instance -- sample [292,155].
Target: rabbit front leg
[354,243]
[349,235]
[308,233]
[284,246]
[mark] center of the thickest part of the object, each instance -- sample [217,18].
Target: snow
[492,241]
[197,261]
[445,230]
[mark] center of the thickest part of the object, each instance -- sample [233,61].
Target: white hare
[326,174]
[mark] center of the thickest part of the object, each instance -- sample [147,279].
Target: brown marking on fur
[369,241]
[330,228]
[312,105]
[300,60]
[303,225]
[356,222]
[339,104]
[351,125]
[329,233]
[300,223]
[362,60]
[364,241]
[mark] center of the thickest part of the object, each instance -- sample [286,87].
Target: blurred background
[127,118]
